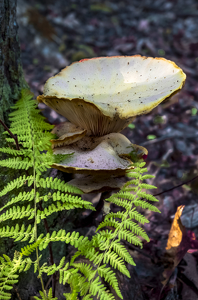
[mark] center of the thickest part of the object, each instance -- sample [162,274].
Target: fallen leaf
[176,232]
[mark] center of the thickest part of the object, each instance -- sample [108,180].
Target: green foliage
[103,254]
[46,296]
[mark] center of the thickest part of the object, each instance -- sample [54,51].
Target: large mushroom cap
[108,154]
[104,94]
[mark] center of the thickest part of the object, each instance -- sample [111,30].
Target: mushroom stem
[93,215]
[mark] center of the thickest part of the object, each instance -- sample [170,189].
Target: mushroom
[67,133]
[97,184]
[104,94]
[104,155]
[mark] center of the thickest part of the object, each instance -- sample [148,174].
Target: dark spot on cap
[128,63]
[129,100]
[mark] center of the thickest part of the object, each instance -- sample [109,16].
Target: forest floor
[53,34]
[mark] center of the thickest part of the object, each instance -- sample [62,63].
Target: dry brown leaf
[176,232]
[177,245]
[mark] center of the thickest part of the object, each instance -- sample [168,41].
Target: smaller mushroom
[98,184]
[67,133]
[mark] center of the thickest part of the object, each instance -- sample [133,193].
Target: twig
[185,280]
[11,134]
[175,187]
[157,140]
[16,290]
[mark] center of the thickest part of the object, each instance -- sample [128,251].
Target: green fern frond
[129,237]
[17,233]
[17,163]
[146,186]
[49,270]
[147,176]
[27,250]
[147,196]
[124,195]
[66,275]
[117,215]
[60,206]
[135,228]
[25,152]
[17,183]
[110,277]
[120,202]
[70,238]
[8,276]
[22,196]
[116,262]
[97,288]
[87,297]
[46,296]
[17,212]
[85,269]
[122,252]
[57,184]
[134,214]
[146,205]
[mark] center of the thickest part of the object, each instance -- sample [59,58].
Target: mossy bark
[11,76]
[11,72]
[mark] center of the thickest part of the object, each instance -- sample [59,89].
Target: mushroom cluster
[100,97]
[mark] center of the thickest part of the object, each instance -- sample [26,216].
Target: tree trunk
[11,79]
[11,72]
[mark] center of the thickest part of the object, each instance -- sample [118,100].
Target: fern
[45,296]
[36,155]
[104,254]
